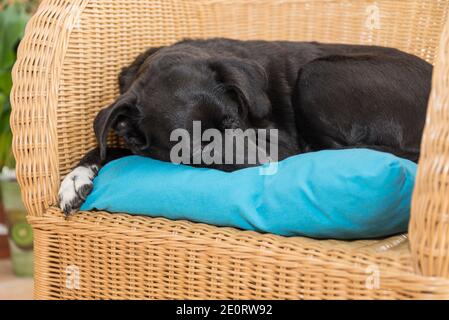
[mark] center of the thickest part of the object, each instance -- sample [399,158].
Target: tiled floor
[12,287]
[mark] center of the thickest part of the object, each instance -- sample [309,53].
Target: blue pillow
[340,194]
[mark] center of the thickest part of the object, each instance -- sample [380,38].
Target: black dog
[318,96]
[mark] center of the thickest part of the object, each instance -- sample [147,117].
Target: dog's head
[169,88]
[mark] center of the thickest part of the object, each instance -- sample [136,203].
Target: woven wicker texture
[67,70]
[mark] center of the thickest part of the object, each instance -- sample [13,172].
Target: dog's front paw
[75,187]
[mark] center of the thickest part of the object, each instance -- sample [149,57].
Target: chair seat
[144,257]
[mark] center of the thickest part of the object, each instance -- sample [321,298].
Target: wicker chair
[67,71]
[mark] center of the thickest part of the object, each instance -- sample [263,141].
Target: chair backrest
[73,50]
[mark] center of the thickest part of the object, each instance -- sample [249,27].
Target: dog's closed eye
[230,123]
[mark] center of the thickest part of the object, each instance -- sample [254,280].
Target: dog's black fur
[318,96]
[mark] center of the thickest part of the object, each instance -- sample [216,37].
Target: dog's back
[339,95]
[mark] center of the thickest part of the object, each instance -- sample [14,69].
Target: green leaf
[2,103]
[12,24]
[13,18]
[5,82]
[5,136]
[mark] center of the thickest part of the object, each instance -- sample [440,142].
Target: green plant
[13,16]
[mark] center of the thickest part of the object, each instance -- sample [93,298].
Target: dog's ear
[248,81]
[130,73]
[124,106]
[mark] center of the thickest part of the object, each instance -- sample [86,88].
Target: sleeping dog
[318,96]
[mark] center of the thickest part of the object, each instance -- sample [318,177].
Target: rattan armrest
[429,225]
[34,99]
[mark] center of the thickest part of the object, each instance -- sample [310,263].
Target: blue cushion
[341,194]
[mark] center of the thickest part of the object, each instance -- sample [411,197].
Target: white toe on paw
[75,187]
